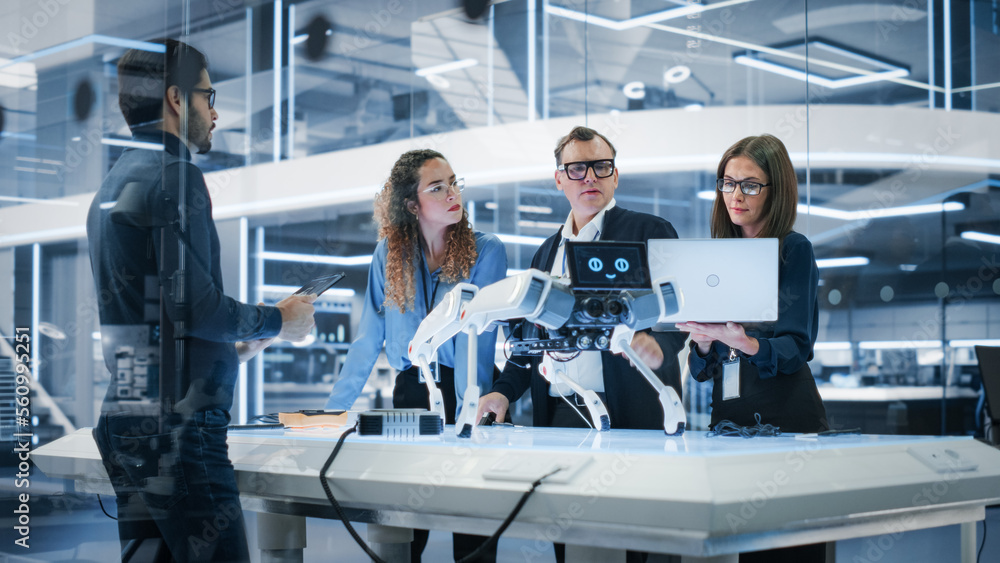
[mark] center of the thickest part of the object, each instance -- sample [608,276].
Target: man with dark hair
[162,429]
[586,174]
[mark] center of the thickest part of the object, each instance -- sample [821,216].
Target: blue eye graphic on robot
[602,265]
[596,265]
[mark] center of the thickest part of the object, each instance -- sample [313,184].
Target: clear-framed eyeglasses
[440,190]
[728,186]
[578,170]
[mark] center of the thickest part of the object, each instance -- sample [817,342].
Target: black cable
[336,505]
[357,538]
[569,358]
[100,502]
[730,428]
[506,523]
[983,544]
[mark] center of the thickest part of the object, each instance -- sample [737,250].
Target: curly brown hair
[401,229]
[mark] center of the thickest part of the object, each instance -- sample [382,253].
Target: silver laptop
[720,279]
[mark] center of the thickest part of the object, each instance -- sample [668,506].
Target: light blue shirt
[381,324]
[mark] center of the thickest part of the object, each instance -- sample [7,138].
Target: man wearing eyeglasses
[172,339]
[586,174]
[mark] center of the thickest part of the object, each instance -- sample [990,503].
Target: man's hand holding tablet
[318,285]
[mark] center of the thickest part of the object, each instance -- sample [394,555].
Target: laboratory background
[890,111]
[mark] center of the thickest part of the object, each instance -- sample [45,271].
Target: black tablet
[318,285]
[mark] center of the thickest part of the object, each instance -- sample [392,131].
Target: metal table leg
[390,543]
[280,537]
[586,554]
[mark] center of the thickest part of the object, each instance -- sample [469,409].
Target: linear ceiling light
[17,75]
[879,213]
[446,67]
[38,200]
[888,70]
[631,23]
[841,262]
[289,289]
[94,38]
[129,143]
[971,343]
[76,231]
[316,259]
[521,239]
[832,346]
[899,344]
[539,209]
[981,237]
[862,214]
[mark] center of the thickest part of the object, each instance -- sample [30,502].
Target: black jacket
[130,272]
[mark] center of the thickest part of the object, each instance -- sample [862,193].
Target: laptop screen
[605,265]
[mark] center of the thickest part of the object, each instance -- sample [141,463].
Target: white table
[702,498]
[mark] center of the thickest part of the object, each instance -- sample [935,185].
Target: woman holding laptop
[762,369]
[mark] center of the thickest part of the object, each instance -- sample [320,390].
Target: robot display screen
[603,266]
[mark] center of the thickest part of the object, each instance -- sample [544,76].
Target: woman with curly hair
[426,246]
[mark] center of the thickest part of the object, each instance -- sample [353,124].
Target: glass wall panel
[895,193]
[889,110]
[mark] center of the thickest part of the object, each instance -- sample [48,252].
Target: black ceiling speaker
[319,31]
[83,100]
[474,9]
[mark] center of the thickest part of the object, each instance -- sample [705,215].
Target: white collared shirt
[585,369]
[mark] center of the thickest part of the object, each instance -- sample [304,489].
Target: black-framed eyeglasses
[728,186]
[578,170]
[211,95]
[440,190]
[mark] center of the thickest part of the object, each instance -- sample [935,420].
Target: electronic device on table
[405,424]
[610,286]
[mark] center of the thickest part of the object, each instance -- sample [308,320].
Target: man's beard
[197,134]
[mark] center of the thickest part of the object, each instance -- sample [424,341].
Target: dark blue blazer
[631,401]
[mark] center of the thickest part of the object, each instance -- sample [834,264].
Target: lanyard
[428,301]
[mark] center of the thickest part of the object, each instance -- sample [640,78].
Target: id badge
[731,379]
[434,374]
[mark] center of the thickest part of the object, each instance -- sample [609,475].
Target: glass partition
[889,110]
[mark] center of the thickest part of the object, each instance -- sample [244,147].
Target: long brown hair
[767,152]
[401,229]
